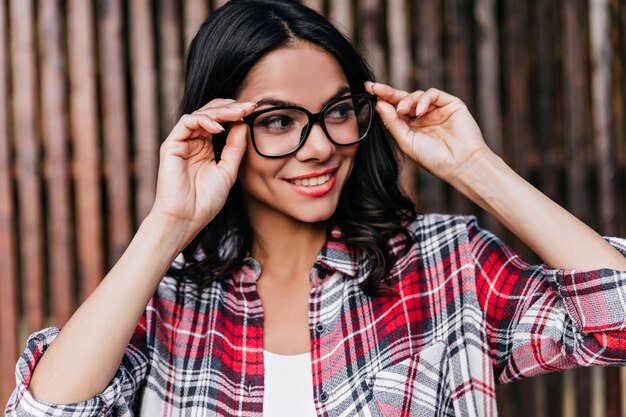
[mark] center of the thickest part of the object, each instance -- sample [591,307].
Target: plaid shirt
[470,313]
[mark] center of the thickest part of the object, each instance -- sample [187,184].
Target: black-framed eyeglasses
[281,131]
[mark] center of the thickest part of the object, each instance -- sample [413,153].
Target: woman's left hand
[434,128]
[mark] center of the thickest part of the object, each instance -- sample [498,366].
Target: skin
[284,221]
[432,127]
[436,130]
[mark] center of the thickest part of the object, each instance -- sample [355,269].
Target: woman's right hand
[192,186]
[191,189]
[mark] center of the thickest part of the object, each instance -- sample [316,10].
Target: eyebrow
[278,102]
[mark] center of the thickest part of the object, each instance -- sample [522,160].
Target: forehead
[301,73]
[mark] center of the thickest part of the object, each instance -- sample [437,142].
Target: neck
[285,247]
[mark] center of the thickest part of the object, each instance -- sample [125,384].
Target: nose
[317,146]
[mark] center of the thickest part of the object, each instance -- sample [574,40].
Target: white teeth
[312,182]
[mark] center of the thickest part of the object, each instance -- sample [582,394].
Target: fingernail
[219,126]
[242,105]
[402,106]
[420,108]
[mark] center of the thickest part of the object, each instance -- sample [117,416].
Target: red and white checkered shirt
[470,313]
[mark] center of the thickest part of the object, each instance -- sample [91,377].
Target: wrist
[171,234]
[477,178]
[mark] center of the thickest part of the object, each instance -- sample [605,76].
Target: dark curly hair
[371,210]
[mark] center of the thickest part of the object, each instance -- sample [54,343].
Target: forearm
[555,235]
[86,354]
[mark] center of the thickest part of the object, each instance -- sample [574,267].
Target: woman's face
[303,75]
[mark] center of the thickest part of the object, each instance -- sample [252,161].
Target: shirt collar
[334,256]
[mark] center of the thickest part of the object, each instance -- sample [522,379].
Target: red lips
[315,191]
[313,174]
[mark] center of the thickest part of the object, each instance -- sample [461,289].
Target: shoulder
[439,255]
[435,237]
[177,288]
[441,227]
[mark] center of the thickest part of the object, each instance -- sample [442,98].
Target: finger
[407,104]
[434,98]
[398,128]
[230,112]
[412,143]
[234,150]
[216,102]
[386,92]
[189,125]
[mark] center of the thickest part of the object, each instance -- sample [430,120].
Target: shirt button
[322,274]
[319,327]
[323,397]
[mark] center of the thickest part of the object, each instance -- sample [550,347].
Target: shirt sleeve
[541,319]
[117,399]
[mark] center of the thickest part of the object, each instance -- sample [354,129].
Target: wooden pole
[516,72]
[8,267]
[544,97]
[317,5]
[115,129]
[598,387]
[27,148]
[86,146]
[195,12]
[170,64]
[568,393]
[340,14]
[577,134]
[622,380]
[457,21]
[575,111]
[219,3]
[488,74]
[429,73]
[601,98]
[144,85]
[488,112]
[400,63]
[371,32]
[602,114]
[54,105]
[622,169]
[400,69]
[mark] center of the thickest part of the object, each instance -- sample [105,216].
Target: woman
[307,285]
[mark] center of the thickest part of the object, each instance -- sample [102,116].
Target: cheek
[248,171]
[256,173]
[251,166]
[349,156]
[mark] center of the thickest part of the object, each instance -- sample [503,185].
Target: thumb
[234,150]
[398,128]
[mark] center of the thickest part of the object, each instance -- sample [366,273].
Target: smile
[313,181]
[314,187]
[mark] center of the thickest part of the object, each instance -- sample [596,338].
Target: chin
[314,216]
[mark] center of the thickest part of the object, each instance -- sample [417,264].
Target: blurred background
[88,89]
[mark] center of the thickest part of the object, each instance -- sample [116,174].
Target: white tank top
[288,385]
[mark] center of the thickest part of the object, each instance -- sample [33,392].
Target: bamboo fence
[88,89]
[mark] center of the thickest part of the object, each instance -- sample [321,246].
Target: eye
[340,113]
[274,123]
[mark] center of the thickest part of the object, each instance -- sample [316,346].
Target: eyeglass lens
[281,131]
